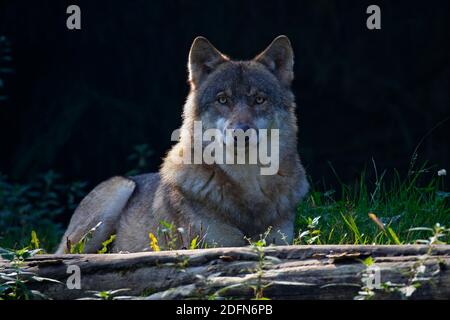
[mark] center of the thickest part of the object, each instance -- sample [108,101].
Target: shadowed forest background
[78,102]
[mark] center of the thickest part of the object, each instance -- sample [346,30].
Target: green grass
[395,205]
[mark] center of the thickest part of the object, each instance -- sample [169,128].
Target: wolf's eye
[260,100]
[222,99]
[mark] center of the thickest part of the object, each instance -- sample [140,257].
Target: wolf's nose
[244,128]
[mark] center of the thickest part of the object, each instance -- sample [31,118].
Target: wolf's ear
[203,58]
[279,59]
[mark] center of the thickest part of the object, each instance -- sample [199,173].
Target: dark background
[78,101]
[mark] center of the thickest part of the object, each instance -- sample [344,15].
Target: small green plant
[194,243]
[106,245]
[312,233]
[260,285]
[366,292]
[35,243]
[256,284]
[438,235]
[108,295]
[171,237]
[171,234]
[14,279]
[415,280]
[78,248]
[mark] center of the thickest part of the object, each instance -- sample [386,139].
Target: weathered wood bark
[288,272]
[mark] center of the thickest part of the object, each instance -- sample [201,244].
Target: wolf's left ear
[279,59]
[203,58]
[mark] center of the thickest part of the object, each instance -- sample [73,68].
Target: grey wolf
[227,203]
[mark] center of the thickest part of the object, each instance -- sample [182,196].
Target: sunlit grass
[376,212]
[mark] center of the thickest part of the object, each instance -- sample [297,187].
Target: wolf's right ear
[278,57]
[203,58]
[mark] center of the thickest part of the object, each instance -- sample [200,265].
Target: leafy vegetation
[394,211]
[14,280]
[107,244]
[36,205]
[108,295]
[256,284]
[171,237]
[416,276]
[78,248]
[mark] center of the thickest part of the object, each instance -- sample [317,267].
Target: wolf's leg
[221,234]
[103,204]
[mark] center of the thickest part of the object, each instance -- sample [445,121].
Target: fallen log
[285,272]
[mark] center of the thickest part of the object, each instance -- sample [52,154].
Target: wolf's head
[254,94]
[243,98]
